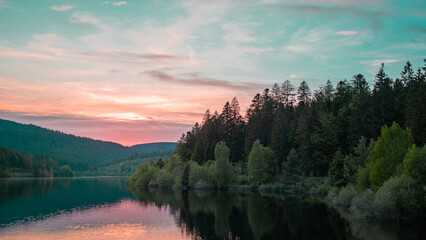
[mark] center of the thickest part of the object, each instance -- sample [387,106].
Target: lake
[105,208]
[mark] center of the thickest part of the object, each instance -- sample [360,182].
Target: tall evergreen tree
[288,94]
[383,101]
[303,93]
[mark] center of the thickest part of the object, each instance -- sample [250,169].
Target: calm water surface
[104,208]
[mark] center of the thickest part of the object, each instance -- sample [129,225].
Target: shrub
[336,171]
[165,179]
[415,164]
[409,195]
[384,205]
[261,165]
[198,173]
[223,172]
[362,205]
[363,178]
[388,153]
[178,183]
[345,196]
[145,174]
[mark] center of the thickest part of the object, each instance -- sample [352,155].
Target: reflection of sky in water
[126,219]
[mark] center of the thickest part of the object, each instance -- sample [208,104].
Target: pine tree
[336,171]
[287,93]
[304,93]
[185,175]
[291,168]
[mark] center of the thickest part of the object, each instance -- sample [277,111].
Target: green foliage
[185,175]
[154,147]
[261,166]
[363,178]
[409,195]
[223,172]
[324,140]
[360,158]
[362,205]
[399,196]
[165,178]
[198,173]
[388,153]
[146,174]
[415,164]
[336,171]
[77,152]
[18,164]
[345,196]
[292,168]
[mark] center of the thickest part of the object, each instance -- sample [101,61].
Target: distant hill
[79,152]
[20,164]
[154,147]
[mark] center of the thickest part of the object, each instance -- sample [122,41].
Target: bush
[178,183]
[165,179]
[345,196]
[363,178]
[408,194]
[262,166]
[223,172]
[384,205]
[399,196]
[198,173]
[324,187]
[415,164]
[388,153]
[145,174]
[362,205]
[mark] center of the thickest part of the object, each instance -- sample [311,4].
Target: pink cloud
[10,53]
[120,3]
[62,8]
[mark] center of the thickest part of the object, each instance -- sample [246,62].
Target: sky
[145,71]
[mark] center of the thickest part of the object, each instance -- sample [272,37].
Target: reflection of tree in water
[230,215]
[261,214]
[12,188]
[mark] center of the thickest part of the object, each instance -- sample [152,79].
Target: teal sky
[146,70]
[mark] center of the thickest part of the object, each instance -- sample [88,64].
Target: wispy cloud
[11,53]
[62,8]
[88,21]
[347,33]
[197,80]
[120,3]
[376,63]
[4,4]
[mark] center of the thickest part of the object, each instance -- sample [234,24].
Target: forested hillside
[79,153]
[19,164]
[154,147]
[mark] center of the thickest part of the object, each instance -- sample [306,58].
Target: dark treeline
[18,164]
[316,125]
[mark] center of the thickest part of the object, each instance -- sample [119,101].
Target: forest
[19,164]
[364,146]
[80,153]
